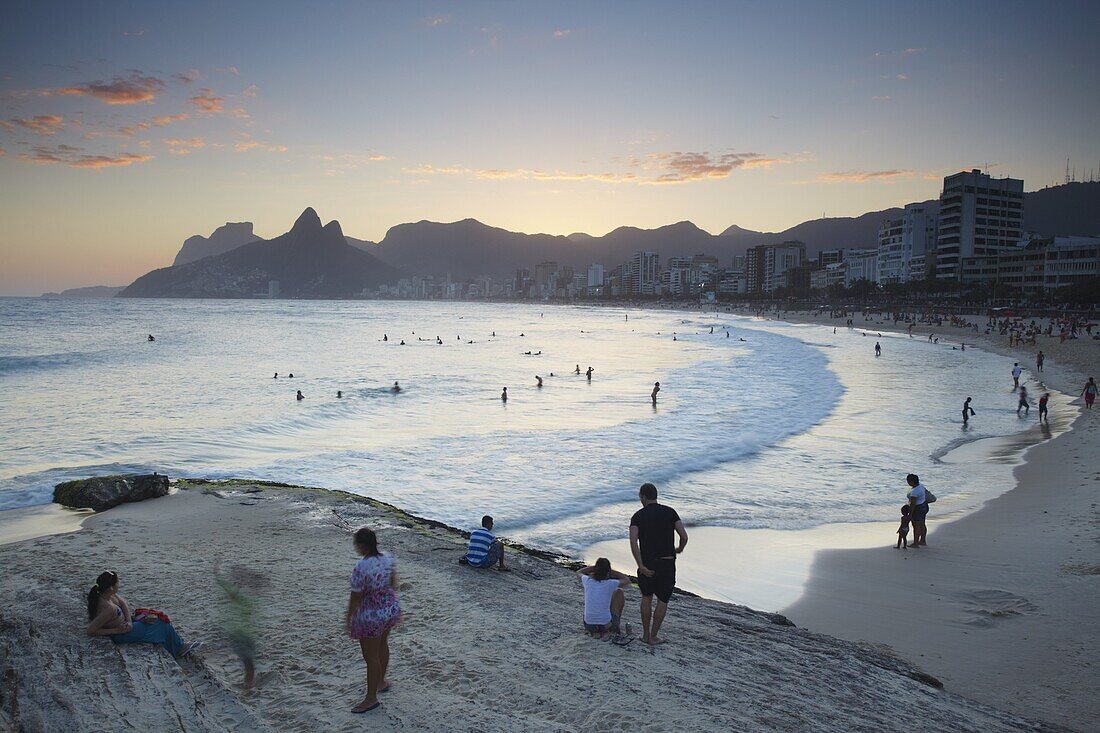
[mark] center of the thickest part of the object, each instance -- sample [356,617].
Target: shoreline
[1005,598]
[486,650]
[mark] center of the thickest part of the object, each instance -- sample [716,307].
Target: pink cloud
[42,125]
[131,89]
[163,120]
[864,176]
[70,156]
[206,103]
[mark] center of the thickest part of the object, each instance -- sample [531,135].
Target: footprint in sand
[987,607]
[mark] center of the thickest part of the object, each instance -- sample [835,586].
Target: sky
[127,127]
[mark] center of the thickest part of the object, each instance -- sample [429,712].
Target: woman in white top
[603,597]
[918,503]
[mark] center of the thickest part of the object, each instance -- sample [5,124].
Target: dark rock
[103,492]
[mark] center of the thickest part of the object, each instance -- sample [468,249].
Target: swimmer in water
[504,395]
[656,389]
[395,388]
[712,329]
[402,342]
[339,394]
[727,334]
[385,337]
[967,411]
[577,370]
[151,337]
[276,375]
[673,337]
[291,375]
[539,380]
[439,340]
[589,373]
[300,396]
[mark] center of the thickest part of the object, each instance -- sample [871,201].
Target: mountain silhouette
[224,238]
[309,261]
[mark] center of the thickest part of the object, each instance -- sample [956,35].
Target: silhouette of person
[300,395]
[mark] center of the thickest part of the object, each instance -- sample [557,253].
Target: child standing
[1043,406]
[903,530]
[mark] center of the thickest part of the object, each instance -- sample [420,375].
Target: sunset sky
[126,128]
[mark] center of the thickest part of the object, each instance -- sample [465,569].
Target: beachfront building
[861,264]
[1038,264]
[641,274]
[834,273]
[690,275]
[595,279]
[732,282]
[979,216]
[766,263]
[902,239]
[546,276]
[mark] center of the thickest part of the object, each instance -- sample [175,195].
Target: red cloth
[148,615]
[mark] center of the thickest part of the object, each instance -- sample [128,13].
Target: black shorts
[661,583]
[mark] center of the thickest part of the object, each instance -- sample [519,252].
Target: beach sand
[1004,604]
[479,650]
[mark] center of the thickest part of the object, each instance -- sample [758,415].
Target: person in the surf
[656,389]
[967,410]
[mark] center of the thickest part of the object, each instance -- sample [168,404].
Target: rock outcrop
[103,492]
[224,239]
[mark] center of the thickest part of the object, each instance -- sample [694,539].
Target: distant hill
[92,291]
[309,261]
[1064,210]
[224,238]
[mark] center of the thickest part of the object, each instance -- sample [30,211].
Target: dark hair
[368,540]
[912,479]
[601,569]
[487,521]
[905,510]
[102,583]
[648,491]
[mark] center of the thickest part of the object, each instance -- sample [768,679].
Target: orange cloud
[206,103]
[120,90]
[129,130]
[42,125]
[677,167]
[168,119]
[864,176]
[175,142]
[72,157]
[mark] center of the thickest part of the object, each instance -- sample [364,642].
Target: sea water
[773,426]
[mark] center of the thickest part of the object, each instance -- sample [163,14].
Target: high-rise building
[862,264]
[979,217]
[595,279]
[900,240]
[766,263]
[545,276]
[641,275]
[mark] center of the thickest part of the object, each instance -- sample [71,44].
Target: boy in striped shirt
[485,549]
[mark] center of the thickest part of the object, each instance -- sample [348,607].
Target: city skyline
[125,131]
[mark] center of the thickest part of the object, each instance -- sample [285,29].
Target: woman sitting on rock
[109,615]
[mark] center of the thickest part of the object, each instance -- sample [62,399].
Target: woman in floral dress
[373,610]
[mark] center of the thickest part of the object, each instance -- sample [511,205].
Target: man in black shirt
[651,540]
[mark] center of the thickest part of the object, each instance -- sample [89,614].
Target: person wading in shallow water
[651,531]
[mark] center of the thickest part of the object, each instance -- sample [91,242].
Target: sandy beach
[479,650]
[1003,604]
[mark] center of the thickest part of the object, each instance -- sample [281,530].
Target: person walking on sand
[373,611]
[603,597]
[651,531]
[1039,359]
[967,410]
[1016,372]
[919,498]
[484,548]
[1023,403]
[1089,393]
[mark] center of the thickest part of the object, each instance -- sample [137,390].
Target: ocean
[776,426]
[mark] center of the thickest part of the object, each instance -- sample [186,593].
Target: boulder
[103,492]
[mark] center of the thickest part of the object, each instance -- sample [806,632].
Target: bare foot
[366,706]
[386,684]
[655,641]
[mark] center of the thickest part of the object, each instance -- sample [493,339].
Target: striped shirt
[480,541]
